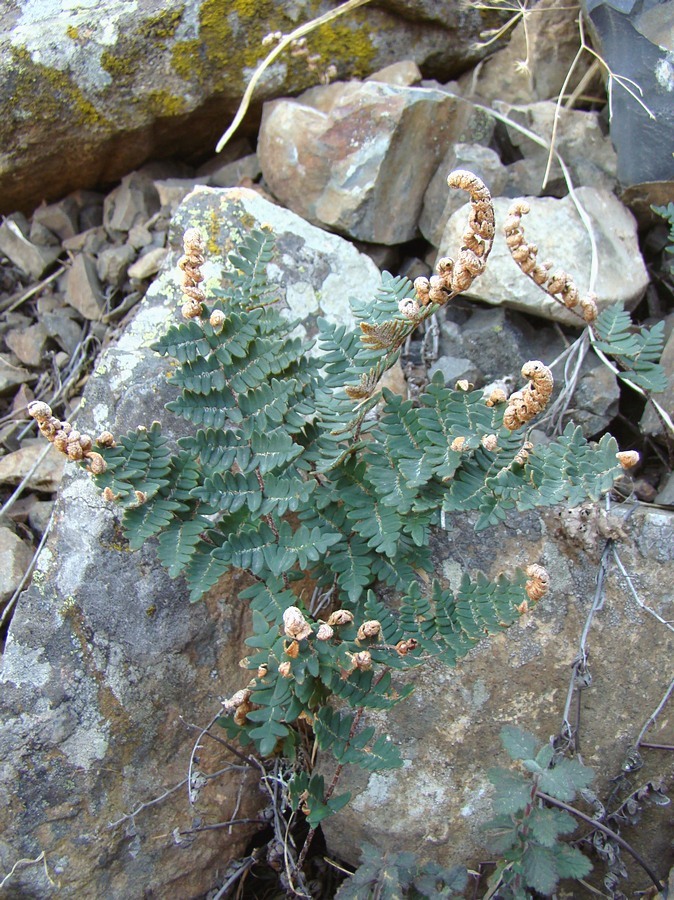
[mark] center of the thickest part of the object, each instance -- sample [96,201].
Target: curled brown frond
[538,582]
[190,264]
[525,404]
[455,276]
[559,284]
[628,458]
[69,441]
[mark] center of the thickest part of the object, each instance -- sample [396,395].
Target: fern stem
[607,831]
[335,778]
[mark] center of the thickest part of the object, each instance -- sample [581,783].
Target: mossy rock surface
[90,93]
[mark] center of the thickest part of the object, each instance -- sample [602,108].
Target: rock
[28,508]
[665,495]
[47,475]
[498,341]
[172,191]
[403,74]
[112,264]
[106,659]
[20,402]
[90,207]
[83,288]
[448,731]
[549,42]
[440,201]
[15,557]
[42,236]
[456,368]
[139,236]
[131,202]
[637,43]
[340,155]
[234,173]
[596,398]
[91,241]
[30,258]
[556,228]
[63,328]
[99,88]
[39,515]
[28,344]
[12,375]
[580,140]
[148,264]
[60,218]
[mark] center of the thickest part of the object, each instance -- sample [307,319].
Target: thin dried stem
[598,826]
[285,41]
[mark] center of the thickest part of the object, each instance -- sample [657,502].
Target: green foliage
[525,831]
[399,875]
[290,476]
[636,351]
[667,212]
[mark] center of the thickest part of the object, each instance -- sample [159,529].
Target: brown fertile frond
[559,285]
[190,264]
[386,336]
[455,276]
[538,582]
[364,390]
[525,404]
[67,440]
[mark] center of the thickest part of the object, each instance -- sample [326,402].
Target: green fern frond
[270,598]
[361,690]
[217,449]
[335,731]
[636,351]
[141,461]
[448,625]
[385,305]
[250,262]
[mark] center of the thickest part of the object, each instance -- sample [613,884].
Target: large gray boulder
[106,662]
[448,730]
[90,91]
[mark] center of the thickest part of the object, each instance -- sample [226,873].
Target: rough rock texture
[548,43]
[440,201]
[448,730]
[347,156]
[555,227]
[580,140]
[15,556]
[105,654]
[637,41]
[92,90]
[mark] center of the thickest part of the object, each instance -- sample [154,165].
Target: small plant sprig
[527,830]
[401,875]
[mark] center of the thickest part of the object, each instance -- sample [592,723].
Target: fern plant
[301,470]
